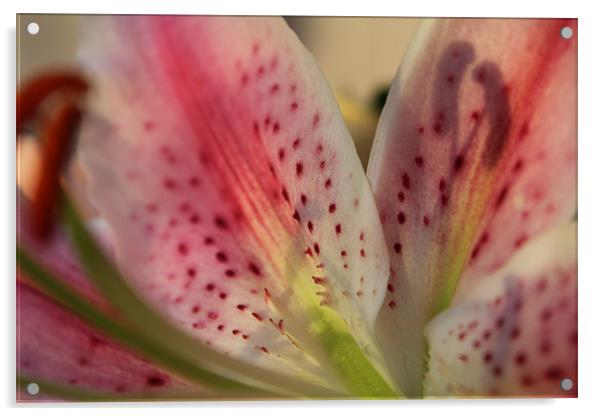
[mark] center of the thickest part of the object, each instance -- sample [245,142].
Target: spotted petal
[53,346]
[515,333]
[475,154]
[237,203]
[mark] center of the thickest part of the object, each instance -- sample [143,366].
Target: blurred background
[359,57]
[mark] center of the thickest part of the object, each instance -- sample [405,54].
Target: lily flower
[244,252]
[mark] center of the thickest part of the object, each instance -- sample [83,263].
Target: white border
[590,207]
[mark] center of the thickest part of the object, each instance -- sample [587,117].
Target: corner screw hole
[566,32]
[33,389]
[566,384]
[33,28]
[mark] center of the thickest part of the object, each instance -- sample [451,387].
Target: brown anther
[57,135]
[35,91]
[57,130]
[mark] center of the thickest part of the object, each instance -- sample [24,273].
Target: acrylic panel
[236,208]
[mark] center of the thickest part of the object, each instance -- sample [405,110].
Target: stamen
[31,95]
[57,135]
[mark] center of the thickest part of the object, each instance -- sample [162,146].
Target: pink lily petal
[475,154]
[55,346]
[515,333]
[220,161]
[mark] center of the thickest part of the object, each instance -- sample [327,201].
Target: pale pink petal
[220,161]
[515,333]
[475,154]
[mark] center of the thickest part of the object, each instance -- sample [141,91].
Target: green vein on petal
[151,325]
[358,373]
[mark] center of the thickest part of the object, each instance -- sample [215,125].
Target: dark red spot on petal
[221,223]
[541,285]
[520,358]
[545,315]
[155,381]
[458,163]
[183,249]
[253,268]
[316,119]
[317,248]
[169,184]
[553,373]
[520,241]
[444,200]
[401,217]
[501,196]
[442,184]
[527,381]
[518,165]
[405,180]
